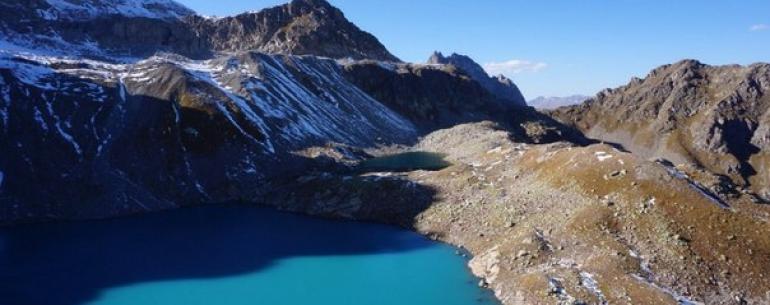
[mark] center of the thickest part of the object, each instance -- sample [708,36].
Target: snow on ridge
[268,96]
[88,9]
[28,73]
[261,92]
[54,46]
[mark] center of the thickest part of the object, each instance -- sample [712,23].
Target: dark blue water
[229,256]
[404,162]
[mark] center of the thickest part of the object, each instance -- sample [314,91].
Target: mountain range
[552,102]
[650,193]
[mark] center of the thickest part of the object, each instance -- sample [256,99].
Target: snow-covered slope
[87,9]
[167,131]
[103,29]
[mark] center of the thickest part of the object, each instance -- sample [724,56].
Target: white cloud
[759,27]
[514,66]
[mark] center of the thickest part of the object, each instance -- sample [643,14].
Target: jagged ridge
[501,86]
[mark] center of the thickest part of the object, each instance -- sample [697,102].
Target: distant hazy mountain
[553,102]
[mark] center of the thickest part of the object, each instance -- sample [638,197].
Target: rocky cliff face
[715,118]
[436,96]
[500,86]
[440,96]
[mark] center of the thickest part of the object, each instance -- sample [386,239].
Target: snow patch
[28,73]
[557,288]
[676,173]
[602,156]
[588,281]
[648,278]
[64,134]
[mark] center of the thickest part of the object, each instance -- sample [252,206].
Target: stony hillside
[711,117]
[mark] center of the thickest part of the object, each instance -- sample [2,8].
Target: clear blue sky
[562,47]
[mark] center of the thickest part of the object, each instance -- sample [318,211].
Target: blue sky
[551,47]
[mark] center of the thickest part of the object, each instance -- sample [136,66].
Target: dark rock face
[302,27]
[688,112]
[441,96]
[500,86]
[435,97]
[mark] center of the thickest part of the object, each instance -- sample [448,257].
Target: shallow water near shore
[229,256]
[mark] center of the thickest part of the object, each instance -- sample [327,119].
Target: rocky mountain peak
[500,86]
[713,117]
[686,67]
[302,27]
[504,80]
[312,4]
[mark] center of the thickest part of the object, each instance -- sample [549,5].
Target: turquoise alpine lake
[229,255]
